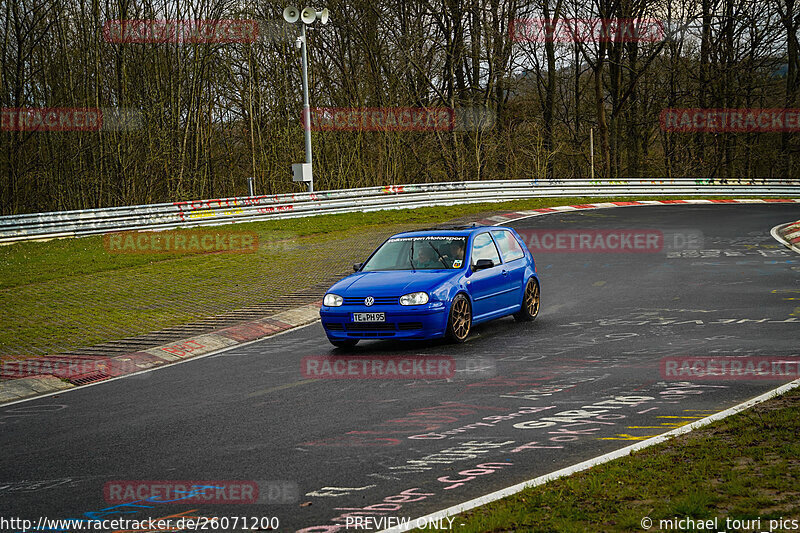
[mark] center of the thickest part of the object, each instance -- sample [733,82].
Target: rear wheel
[460,320]
[349,343]
[530,302]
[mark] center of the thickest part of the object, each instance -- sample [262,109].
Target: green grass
[744,467]
[67,293]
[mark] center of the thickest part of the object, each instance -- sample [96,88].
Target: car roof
[455,231]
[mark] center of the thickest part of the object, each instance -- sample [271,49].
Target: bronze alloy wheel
[530,302]
[460,321]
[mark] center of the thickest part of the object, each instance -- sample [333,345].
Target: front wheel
[530,302]
[349,343]
[460,320]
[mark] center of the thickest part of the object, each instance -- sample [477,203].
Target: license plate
[369,317]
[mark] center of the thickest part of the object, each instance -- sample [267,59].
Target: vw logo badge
[369,300]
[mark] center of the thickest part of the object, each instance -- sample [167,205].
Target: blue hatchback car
[431,284]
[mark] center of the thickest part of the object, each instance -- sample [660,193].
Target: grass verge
[745,467]
[65,294]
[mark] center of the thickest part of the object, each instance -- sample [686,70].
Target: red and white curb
[788,235]
[508,217]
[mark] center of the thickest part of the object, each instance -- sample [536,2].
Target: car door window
[509,246]
[483,248]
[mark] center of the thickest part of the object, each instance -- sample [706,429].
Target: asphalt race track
[589,376]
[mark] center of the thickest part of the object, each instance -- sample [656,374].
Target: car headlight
[415,298]
[332,300]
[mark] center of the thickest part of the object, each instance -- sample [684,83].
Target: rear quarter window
[509,247]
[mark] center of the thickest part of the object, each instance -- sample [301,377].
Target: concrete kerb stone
[17,389]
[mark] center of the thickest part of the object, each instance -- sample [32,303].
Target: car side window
[509,246]
[483,248]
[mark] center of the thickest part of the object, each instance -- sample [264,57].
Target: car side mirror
[482,264]
[357,266]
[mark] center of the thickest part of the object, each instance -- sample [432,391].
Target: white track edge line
[585,465]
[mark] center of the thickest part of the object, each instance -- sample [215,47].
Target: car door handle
[505,272]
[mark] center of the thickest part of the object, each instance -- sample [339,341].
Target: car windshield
[418,253]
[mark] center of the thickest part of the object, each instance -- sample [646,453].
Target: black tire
[349,343]
[531,302]
[459,322]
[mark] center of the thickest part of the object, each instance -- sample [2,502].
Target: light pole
[303,172]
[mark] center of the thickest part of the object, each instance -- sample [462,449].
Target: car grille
[379,300]
[372,329]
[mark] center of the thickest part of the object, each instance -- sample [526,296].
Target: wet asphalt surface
[595,372]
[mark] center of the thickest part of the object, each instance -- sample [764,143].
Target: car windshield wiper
[411,255]
[437,253]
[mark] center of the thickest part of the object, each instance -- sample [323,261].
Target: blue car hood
[391,282]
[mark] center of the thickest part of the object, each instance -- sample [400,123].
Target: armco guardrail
[256,208]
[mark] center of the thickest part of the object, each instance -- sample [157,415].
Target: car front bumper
[402,322]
